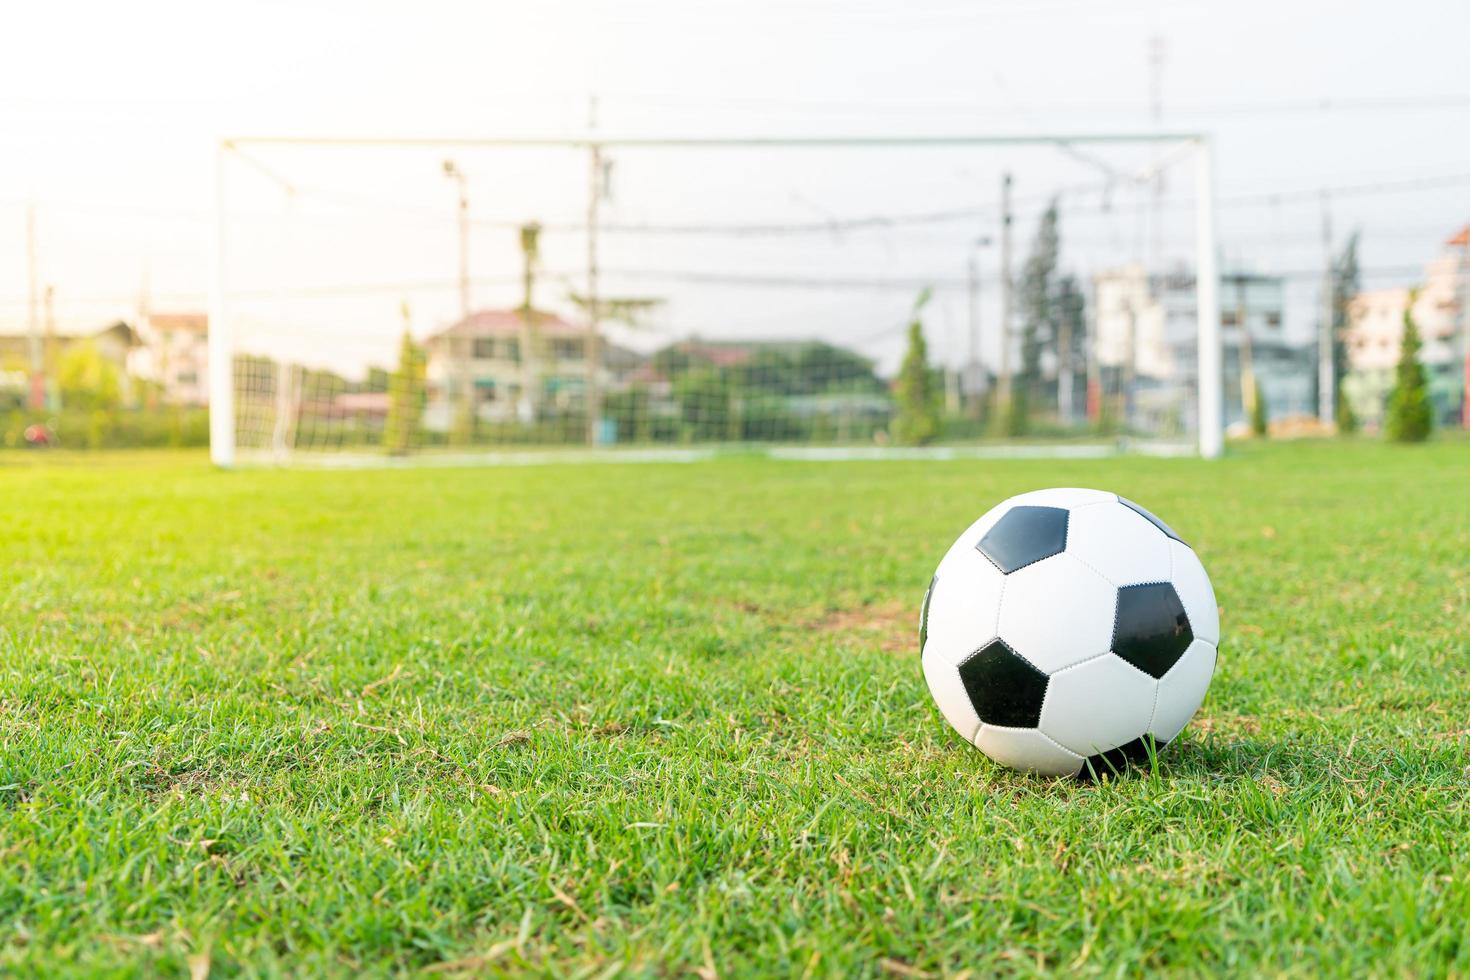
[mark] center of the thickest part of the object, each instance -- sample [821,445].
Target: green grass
[663,718]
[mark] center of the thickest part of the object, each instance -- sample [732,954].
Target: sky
[110,114]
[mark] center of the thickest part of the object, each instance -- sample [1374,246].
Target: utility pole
[972,369]
[1156,51]
[593,353]
[145,333]
[530,335]
[972,365]
[462,348]
[1464,241]
[1094,367]
[1064,367]
[1130,365]
[1248,391]
[1155,259]
[1154,272]
[38,367]
[452,171]
[1326,382]
[51,391]
[1003,397]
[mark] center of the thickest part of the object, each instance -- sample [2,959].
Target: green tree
[1347,419]
[1410,414]
[1345,286]
[87,379]
[630,411]
[707,405]
[406,399]
[917,421]
[1071,338]
[807,369]
[1038,298]
[1260,417]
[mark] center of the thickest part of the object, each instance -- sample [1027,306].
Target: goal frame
[1210,376]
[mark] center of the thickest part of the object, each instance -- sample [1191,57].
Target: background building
[1376,328]
[115,345]
[1147,343]
[492,346]
[173,352]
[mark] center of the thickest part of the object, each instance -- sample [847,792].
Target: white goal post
[222,335]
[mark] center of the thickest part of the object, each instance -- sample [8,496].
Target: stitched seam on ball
[1085,662]
[1021,657]
[1000,603]
[993,563]
[997,638]
[1154,711]
[1144,672]
[1034,561]
[1113,629]
[1218,629]
[1080,758]
[1045,697]
[1088,565]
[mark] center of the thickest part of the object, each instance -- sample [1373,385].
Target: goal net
[388,299]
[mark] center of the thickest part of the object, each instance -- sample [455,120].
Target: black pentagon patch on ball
[1145,514]
[1003,688]
[1151,630]
[1024,536]
[924,614]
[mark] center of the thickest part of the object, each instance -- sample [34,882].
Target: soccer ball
[1066,629]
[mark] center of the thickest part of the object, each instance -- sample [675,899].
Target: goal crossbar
[713,142]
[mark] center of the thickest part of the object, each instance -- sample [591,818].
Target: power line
[879,222]
[989,209]
[1326,104]
[907,283]
[773,229]
[1350,190]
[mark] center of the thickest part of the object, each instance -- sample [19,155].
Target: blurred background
[455,227]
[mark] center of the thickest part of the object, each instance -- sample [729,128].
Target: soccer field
[667,717]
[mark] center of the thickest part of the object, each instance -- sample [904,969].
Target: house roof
[124,332]
[189,322]
[732,353]
[507,323]
[20,341]
[647,374]
[369,402]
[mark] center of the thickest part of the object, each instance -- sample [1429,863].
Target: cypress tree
[1345,286]
[1259,416]
[406,401]
[1038,299]
[1410,415]
[1347,419]
[917,421]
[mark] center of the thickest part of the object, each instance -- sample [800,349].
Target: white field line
[535,457]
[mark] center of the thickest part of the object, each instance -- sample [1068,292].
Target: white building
[490,346]
[174,353]
[1376,328]
[1149,321]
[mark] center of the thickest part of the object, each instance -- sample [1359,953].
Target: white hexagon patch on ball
[1068,631]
